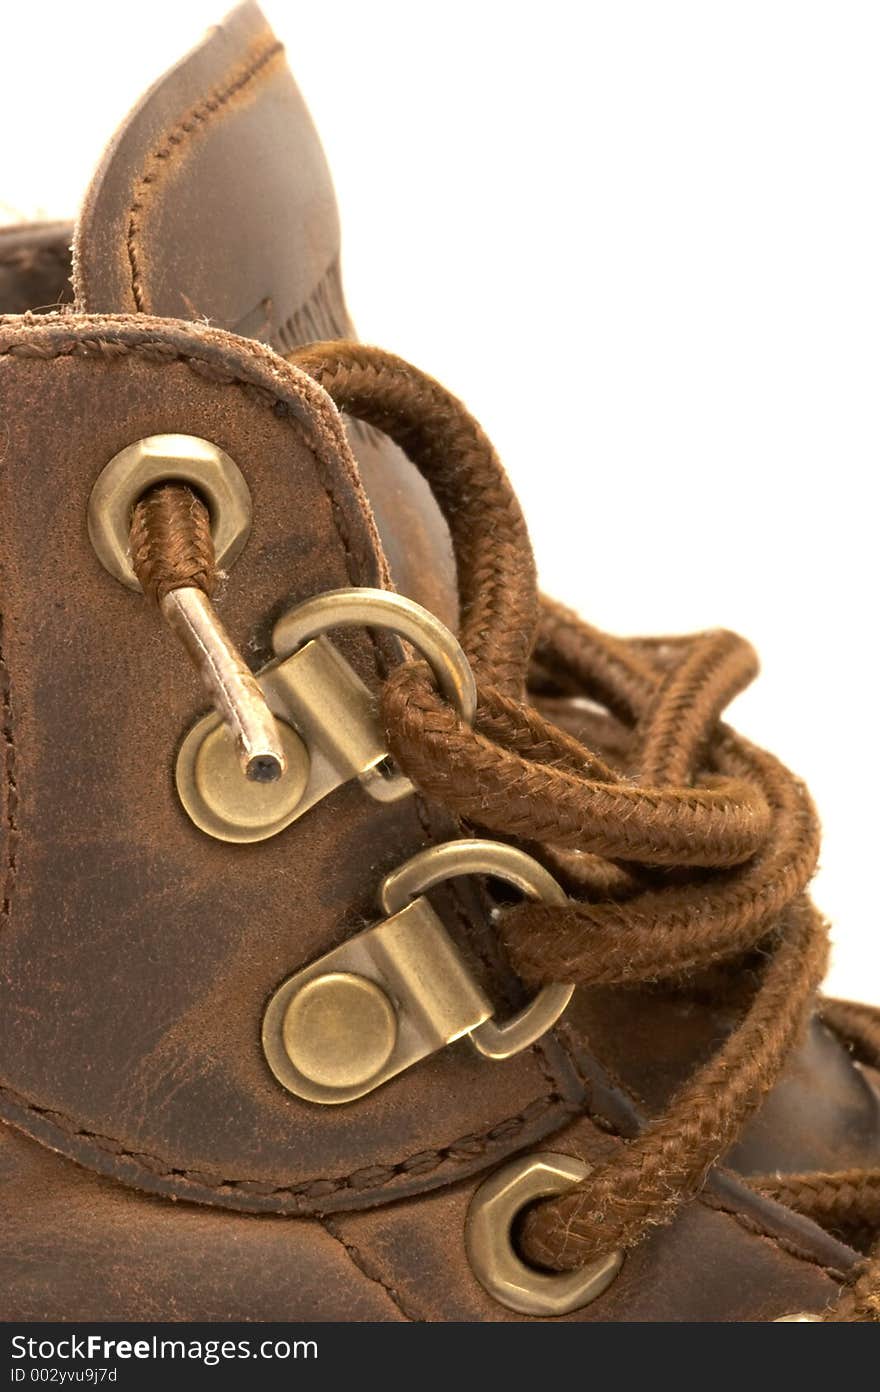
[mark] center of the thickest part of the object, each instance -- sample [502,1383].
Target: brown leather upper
[137,954]
[156,946]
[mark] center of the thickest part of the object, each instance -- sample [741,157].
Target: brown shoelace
[682,846]
[170,542]
[687,793]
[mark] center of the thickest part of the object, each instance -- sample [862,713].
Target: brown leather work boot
[415,951]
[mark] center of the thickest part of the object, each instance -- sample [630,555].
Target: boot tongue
[214,203]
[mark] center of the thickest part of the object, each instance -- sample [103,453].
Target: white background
[669,213]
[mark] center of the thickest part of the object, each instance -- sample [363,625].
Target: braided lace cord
[682,846]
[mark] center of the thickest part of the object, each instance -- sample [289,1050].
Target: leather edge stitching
[10,866]
[364,1180]
[158,159]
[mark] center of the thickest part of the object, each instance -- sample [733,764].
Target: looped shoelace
[682,846]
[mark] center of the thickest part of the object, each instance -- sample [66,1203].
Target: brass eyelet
[159,459]
[490,1248]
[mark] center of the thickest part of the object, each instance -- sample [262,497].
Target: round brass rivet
[221,800]
[246,801]
[339,1030]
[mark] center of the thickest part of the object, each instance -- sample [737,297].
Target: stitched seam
[158,354]
[456,1152]
[368,1269]
[156,162]
[10,868]
[363,1180]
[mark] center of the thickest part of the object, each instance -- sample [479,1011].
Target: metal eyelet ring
[493,1258]
[437,863]
[386,610]
[802,1318]
[159,459]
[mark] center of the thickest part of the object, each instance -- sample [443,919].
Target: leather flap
[213,201]
[136,953]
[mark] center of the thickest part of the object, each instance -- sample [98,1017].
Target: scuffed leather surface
[77,1247]
[149,1259]
[824,1114]
[136,953]
[730,1257]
